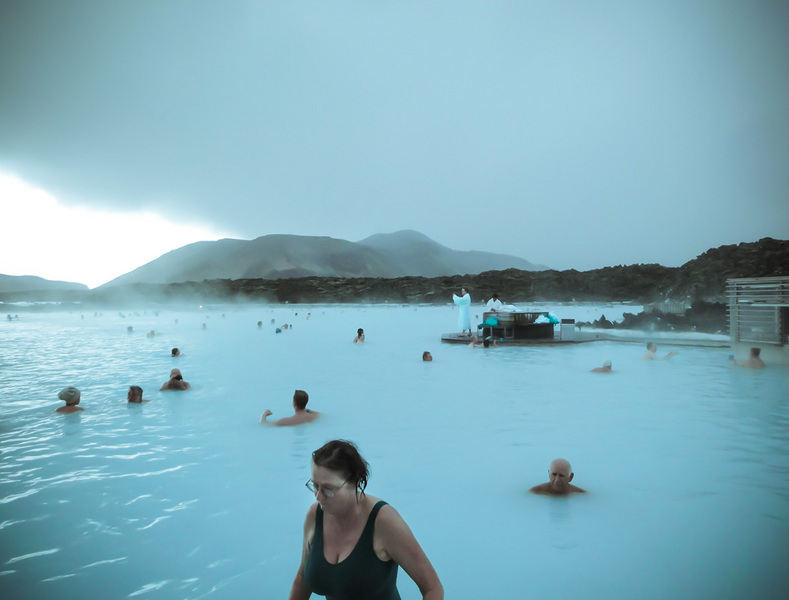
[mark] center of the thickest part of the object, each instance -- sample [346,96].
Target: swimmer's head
[175,352]
[70,396]
[651,346]
[135,394]
[360,331]
[486,343]
[755,352]
[560,474]
[343,457]
[300,399]
[426,356]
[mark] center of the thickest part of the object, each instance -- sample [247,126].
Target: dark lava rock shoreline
[701,282]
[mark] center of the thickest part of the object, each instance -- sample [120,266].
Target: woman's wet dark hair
[343,456]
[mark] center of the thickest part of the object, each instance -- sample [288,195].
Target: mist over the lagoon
[576,136]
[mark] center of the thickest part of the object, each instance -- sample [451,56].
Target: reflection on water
[686,461]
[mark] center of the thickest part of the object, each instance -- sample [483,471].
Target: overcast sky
[572,134]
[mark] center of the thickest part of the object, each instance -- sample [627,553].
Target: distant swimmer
[463,302]
[486,343]
[135,395]
[494,304]
[175,352]
[176,382]
[302,414]
[651,353]
[606,368]
[71,397]
[753,361]
[560,474]
[426,356]
[359,336]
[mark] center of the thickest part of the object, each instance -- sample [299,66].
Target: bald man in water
[560,474]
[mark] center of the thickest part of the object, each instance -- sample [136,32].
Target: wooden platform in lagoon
[521,329]
[517,328]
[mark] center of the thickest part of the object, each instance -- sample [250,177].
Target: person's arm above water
[299,589]
[279,422]
[401,546]
[266,414]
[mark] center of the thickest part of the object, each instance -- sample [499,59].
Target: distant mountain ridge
[30,283]
[280,256]
[701,279]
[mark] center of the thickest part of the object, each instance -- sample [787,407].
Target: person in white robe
[494,304]
[463,302]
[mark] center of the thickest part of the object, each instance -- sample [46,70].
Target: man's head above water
[560,474]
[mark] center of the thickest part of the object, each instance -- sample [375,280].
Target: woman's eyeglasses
[327,490]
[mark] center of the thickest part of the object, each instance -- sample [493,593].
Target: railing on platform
[759,309]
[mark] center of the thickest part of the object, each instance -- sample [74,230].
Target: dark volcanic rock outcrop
[703,278]
[704,317]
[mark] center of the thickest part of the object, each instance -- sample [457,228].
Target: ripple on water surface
[686,460]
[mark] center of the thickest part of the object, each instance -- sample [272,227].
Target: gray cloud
[576,135]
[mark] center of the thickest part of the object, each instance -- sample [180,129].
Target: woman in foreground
[353,543]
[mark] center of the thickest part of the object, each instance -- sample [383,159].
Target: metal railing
[758,308]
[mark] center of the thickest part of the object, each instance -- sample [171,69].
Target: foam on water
[188,496]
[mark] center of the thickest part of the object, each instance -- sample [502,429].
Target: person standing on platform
[463,302]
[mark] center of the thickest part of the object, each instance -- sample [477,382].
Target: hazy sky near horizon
[571,134]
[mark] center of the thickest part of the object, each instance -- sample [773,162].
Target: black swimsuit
[361,576]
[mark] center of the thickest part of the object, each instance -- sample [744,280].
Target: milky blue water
[686,461]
